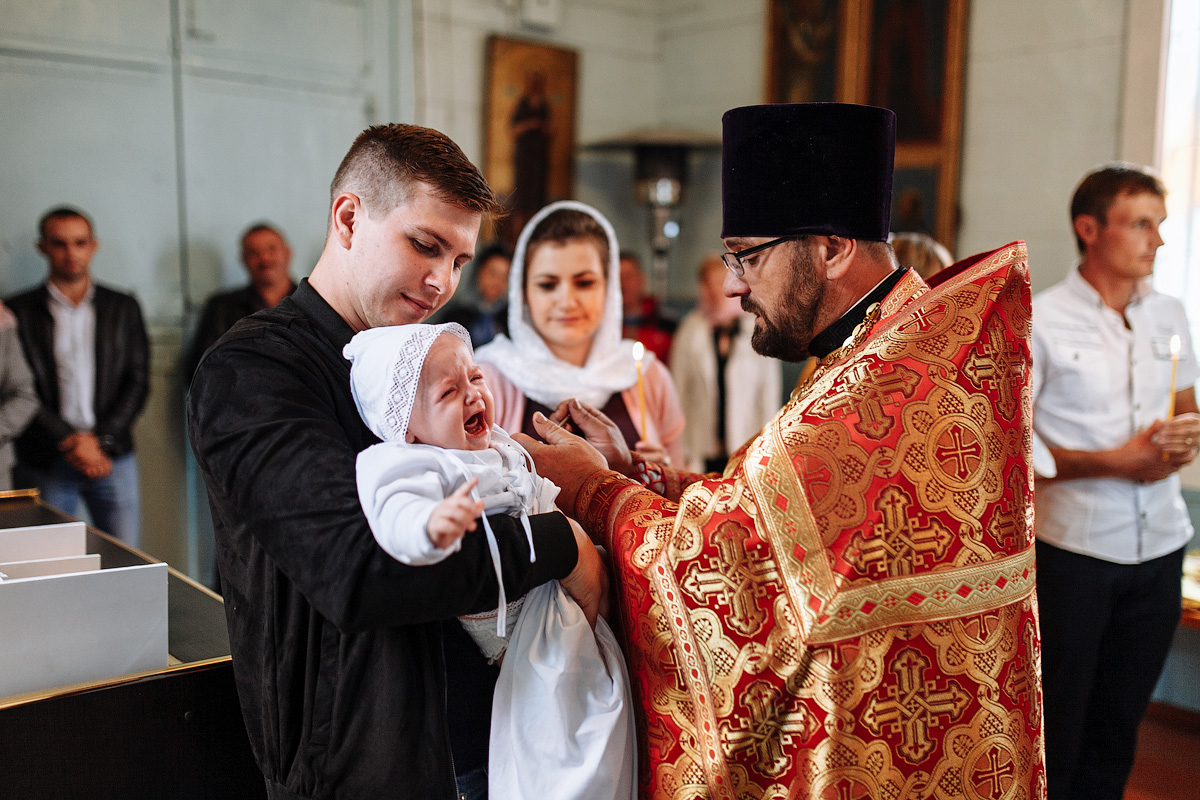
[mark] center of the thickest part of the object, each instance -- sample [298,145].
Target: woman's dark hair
[565,226]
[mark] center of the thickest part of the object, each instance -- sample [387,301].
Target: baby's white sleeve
[399,487]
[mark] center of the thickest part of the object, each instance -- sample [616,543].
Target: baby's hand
[454,516]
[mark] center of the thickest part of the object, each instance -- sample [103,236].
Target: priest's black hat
[807,168]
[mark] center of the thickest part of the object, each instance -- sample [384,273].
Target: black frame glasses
[733,261]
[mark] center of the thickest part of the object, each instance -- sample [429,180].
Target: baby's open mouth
[475,425]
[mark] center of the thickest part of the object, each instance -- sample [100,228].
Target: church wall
[175,123]
[1043,98]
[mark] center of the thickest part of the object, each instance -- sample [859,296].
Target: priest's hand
[565,458]
[600,431]
[588,582]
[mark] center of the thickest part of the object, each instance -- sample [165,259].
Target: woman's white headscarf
[523,356]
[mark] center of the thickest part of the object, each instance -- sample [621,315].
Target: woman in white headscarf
[564,341]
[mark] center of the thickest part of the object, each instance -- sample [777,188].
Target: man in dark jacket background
[354,676]
[90,357]
[267,259]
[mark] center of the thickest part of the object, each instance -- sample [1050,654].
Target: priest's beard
[787,331]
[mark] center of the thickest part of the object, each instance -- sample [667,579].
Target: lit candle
[1174,369]
[639,352]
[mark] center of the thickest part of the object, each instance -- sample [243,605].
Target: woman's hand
[653,451]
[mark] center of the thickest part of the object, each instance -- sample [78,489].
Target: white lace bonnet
[385,370]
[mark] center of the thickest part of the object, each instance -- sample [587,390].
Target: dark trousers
[1106,629]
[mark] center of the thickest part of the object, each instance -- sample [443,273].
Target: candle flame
[639,351]
[1175,342]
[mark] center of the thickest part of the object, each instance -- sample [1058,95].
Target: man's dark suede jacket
[122,372]
[220,314]
[337,648]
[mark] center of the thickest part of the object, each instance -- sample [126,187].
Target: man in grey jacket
[18,400]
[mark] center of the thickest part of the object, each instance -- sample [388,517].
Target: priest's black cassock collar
[807,168]
[836,334]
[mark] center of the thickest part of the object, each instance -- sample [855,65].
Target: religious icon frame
[852,51]
[513,147]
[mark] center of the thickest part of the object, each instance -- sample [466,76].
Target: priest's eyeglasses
[734,263]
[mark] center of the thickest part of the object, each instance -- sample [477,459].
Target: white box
[49,566]
[58,630]
[43,541]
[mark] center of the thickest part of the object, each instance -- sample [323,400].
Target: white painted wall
[175,123]
[1043,96]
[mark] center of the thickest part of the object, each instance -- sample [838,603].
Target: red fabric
[848,613]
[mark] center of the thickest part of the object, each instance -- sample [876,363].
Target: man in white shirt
[1111,523]
[90,357]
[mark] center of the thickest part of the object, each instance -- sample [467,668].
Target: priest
[848,611]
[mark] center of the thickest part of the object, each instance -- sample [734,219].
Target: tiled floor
[1168,760]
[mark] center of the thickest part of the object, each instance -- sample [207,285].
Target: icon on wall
[530,127]
[906,55]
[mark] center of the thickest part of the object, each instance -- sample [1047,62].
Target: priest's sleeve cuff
[599,501]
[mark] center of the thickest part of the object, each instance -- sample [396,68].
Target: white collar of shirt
[1079,284]
[57,296]
[75,356]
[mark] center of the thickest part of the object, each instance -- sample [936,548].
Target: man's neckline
[836,334]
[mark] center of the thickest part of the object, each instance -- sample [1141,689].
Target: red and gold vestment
[849,612]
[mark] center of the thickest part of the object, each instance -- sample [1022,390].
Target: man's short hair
[386,160]
[64,212]
[629,255]
[261,225]
[1103,185]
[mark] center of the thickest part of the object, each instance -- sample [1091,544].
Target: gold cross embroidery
[763,732]
[865,393]
[897,545]
[847,789]
[732,578]
[995,769]
[914,706]
[923,319]
[994,365]
[959,452]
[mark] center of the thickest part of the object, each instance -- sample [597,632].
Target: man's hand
[600,432]
[82,451]
[1141,459]
[1179,438]
[565,459]
[454,516]
[588,582]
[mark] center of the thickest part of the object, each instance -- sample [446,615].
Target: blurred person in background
[643,320]
[267,258]
[486,314]
[728,391]
[18,399]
